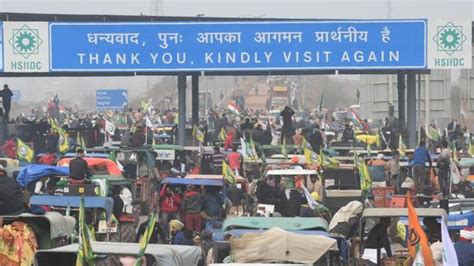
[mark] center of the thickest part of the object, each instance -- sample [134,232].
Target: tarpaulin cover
[164,255]
[278,245]
[34,172]
[112,168]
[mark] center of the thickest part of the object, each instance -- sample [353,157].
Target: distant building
[446,93]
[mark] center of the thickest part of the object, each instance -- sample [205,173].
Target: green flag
[470,149]
[80,141]
[433,133]
[253,149]
[365,179]
[85,255]
[326,161]
[454,152]
[145,238]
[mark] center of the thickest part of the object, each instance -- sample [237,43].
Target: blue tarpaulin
[106,204]
[34,172]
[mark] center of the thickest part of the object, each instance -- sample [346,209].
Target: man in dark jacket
[191,207]
[212,205]
[246,125]
[126,139]
[6,94]
[236,196]
[287,115]
[138,138]
[157,236]
[378,237]
[78,168]
[316,140]
[11,197]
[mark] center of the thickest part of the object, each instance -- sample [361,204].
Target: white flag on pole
[311,202]
[148,122]
[449,253]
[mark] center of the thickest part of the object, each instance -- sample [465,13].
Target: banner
[26,46]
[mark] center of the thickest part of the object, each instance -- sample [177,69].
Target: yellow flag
[222,134]
[470,149]
[369,139]
[23,151]
[63,143]
[198,135]
[454,152]
[401,146]
[308,155]
[228,174]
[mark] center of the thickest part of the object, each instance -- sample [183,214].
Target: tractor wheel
[127,232]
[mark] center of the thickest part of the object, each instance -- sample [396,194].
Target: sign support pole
[181,109]
[195,99]
[411,109]
[401,100]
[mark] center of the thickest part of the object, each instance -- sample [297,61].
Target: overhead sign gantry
[215,46]
[404,47]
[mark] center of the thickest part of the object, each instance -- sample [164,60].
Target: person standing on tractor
[191,208]
[420,158]
[6,95]
[234,159]
[169,205]
[287,127]
[157,236]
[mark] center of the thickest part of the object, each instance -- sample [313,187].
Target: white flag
[109,127]
[148,122]
[419,259]
[243,148]
[449,253]
[311,202]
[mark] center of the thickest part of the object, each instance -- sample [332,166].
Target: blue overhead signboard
[111,99]
[221,46]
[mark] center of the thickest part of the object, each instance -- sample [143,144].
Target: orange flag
[416,236]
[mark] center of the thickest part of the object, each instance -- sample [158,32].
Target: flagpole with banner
[145,238]
[418,245]
[85,254]
[24,152]
[449,253]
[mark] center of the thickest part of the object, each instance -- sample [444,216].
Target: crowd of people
[185,213]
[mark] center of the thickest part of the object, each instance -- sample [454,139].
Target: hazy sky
[253,8]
